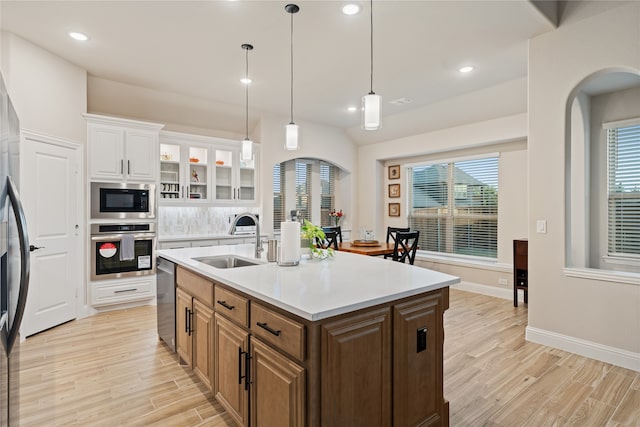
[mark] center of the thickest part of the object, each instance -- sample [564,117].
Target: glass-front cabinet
[204,170]
[184,171]
[235,179]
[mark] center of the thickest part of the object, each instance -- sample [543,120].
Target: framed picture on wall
[394,209]
[394,172]
[394,190]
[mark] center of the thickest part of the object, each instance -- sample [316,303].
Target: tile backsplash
[196,220]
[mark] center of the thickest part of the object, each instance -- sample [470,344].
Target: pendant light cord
[246,122]
[371,35]
[291,67]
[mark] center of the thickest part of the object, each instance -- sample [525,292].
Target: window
[303,189]
[623,146]
[307,186]
[455,206]
[279,182]
[327,193]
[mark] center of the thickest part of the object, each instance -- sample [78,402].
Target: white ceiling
[192,48]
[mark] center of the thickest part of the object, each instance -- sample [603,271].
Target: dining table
[381,248]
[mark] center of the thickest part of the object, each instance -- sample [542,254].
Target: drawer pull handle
[225,305]
[269,329]
[125,290]
[240,357]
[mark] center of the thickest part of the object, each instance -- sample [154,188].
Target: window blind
[327,193]
[623,146]
[279,214]
[303,189]
[455,206]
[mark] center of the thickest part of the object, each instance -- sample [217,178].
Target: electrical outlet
[503,282]
[541,226]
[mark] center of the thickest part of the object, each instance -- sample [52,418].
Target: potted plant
[309,234]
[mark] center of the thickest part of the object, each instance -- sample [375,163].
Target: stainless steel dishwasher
[166,293]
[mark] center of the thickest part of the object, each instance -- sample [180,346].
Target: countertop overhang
[316,289]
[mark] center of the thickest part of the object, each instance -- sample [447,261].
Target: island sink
[225,261]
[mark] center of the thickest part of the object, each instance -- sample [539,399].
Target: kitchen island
[347,341]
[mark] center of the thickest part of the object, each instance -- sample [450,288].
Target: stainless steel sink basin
[226,261]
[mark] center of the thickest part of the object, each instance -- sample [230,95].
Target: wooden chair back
[391,235]
[330,240]
[405,247]
[335,229]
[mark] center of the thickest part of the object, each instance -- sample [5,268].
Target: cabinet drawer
[117,293]
[232,305]
[195,285]
[278,330]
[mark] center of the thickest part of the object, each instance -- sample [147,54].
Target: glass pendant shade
[291,142]
[247,149]
[371,106]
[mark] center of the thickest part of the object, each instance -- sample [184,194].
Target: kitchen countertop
[316,289]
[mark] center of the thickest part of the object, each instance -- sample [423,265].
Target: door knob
[35,248]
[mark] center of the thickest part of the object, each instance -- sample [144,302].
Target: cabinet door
[231,344]
[277,389]
[203,342]
[142,149]
[247,179]
[417,370]
[183,329]
[106,152]
[356,370]
[225,187]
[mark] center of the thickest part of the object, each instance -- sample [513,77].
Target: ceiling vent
[401,101]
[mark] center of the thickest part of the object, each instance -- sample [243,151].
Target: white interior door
[49,192]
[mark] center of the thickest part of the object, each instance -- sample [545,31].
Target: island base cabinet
[230,381]
[417,370]
[277,388]
[184,343]
[202,331]
[356,371]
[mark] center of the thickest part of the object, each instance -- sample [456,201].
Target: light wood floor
[110,369]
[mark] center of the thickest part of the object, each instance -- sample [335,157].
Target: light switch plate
[541,226]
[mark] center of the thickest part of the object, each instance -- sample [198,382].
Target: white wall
[591,316]
[48,93]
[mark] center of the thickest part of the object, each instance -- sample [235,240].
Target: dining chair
[391,235]
[405,246]
[336,230]
[330,240]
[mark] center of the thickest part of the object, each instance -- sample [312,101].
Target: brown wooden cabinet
[194,324]
[379,366]
[356,370]
[417,368]
[278,389]
[230,381]
[520,270]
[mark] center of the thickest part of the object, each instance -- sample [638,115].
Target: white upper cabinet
[185,169]
[122,150]
[196,170]
[235,179]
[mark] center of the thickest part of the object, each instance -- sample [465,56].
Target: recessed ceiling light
[350,9]
[352,109]
[78,36]
[466,69]
[246,80]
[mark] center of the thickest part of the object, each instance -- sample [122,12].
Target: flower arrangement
[337,216]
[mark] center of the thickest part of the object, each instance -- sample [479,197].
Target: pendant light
[291,141]
[247,144]
[371,103]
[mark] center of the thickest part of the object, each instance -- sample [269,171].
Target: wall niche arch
[607,96]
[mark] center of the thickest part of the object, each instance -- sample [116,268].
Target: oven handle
[118,237]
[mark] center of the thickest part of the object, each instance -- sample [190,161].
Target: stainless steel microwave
[123,201]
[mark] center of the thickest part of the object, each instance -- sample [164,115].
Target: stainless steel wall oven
[122,250]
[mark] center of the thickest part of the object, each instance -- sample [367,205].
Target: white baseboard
[492,291]
[615,356]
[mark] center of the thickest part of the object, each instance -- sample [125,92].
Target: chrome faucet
[256,222]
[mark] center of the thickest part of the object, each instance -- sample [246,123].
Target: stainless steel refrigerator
[14,260]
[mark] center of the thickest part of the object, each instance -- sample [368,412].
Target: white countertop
[316,289]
